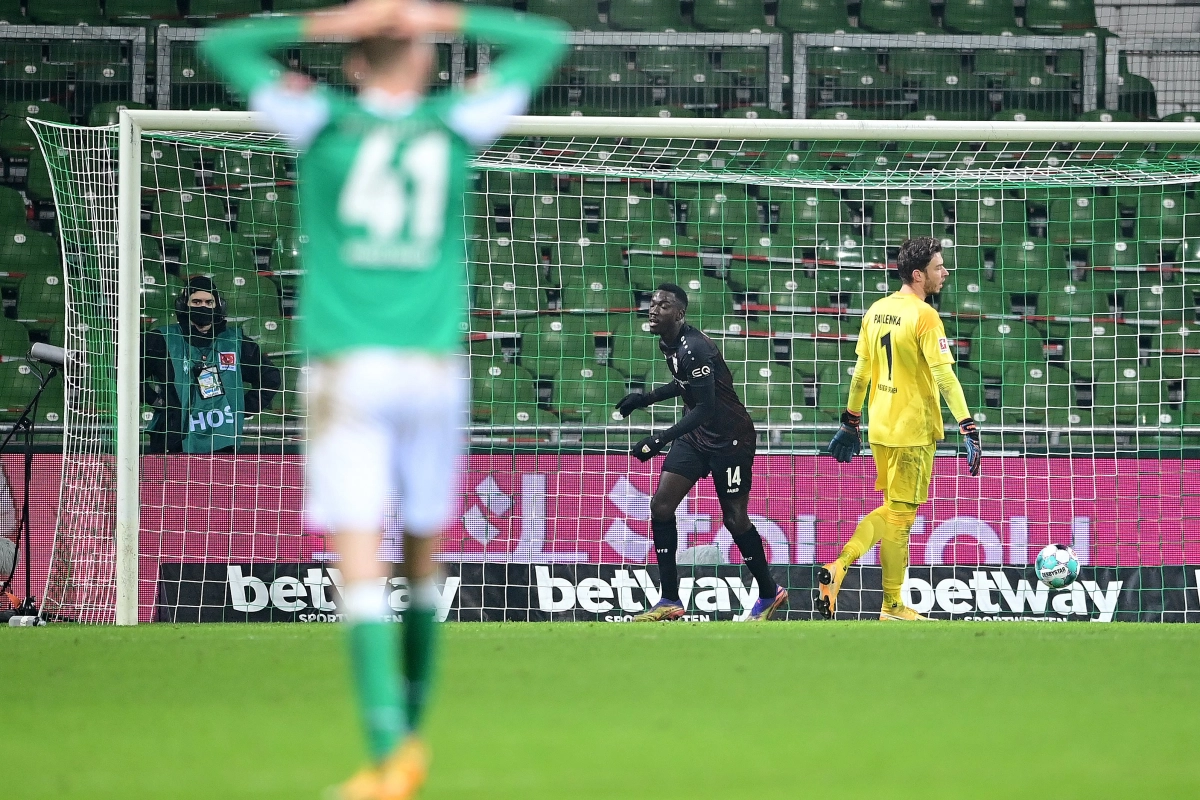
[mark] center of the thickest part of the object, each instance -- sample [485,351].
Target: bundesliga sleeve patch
[944,345]
[227,361]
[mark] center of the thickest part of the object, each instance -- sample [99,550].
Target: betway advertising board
[610,593]
[589,515]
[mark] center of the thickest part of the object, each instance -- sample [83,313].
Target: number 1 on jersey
[886,342]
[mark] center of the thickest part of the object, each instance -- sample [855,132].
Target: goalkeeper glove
[648,448]
[970,432]
[847,442]
[631,402]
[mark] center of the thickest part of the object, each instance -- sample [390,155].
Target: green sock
[420,643]
[372,645]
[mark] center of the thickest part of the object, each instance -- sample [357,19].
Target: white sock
[364,601]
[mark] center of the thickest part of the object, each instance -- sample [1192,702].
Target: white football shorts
[384,423]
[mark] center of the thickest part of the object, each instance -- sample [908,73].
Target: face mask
[200,317]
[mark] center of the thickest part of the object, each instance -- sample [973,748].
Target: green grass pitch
[782,710]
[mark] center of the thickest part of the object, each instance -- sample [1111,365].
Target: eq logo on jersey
[227,361]
[700,372]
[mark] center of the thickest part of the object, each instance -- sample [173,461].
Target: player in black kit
[715,436]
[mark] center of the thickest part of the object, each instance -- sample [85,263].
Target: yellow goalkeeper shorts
[903,473]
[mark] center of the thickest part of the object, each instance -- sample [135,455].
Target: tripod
[27,610]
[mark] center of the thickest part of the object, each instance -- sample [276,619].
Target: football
[1056,566]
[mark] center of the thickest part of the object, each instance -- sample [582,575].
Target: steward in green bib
[202,377]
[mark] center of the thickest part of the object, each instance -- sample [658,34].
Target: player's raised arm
[847,442]
[935,348]
[703,386]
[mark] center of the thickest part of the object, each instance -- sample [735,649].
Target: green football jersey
[383,182]
[381,208]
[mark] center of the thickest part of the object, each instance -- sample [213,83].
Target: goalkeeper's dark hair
[679,293]
[915,254]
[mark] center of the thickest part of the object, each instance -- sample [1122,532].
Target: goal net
[1070,307]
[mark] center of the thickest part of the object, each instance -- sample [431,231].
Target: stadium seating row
[887,16]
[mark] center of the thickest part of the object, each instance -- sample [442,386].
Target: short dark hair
[915,254]
[679,293]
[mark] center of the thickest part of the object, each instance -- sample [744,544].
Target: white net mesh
[1070,303]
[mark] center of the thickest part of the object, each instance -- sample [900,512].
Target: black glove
[648,448]
[631,402]
[847,442]
[970,432]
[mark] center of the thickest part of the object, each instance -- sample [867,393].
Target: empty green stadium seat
[897,16]
[12,210]
[264,210]
[137,11]
[546,341]
[1118,389]
[248,295]
[1083,219]
[14,338]
[645,15]
[65,12]
[520,415]
[904,217]
[634,349]
[1000,345]
[579,14]
[812,16]
[1158,302]
[1093,347]
[497,382]
[596,291]
[189,214]
[16,137]
[723,220]
[109,113]
[217,253]
[28,252]
[1071,301]
[810,215]
[993,17]
[276,337]
[18,384]
[1060,15]
[41,301]
[728,15]
[587,393]
[1161,215]
[1042,389]
[159,292]
[987,217]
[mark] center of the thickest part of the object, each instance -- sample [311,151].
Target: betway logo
[315,592]
[990,593]
[706,594]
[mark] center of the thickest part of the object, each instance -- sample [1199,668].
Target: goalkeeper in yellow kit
[904,359]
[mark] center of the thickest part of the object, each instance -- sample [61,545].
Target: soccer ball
[1056,566]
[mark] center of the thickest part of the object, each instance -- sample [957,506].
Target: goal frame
[134,123]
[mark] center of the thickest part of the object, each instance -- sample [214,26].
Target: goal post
[778,274]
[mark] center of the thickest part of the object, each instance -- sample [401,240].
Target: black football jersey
[695,360]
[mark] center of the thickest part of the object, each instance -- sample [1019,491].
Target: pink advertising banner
[595,509]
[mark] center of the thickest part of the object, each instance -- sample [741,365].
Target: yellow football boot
[403,773]
[829,581]
[900,613]
[399,777]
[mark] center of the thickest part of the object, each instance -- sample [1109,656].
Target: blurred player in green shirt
[382,180]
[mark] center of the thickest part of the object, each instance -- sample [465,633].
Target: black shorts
[732,469]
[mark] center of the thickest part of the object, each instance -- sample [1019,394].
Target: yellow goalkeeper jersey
[901,338]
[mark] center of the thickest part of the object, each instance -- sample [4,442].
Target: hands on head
[399,19]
